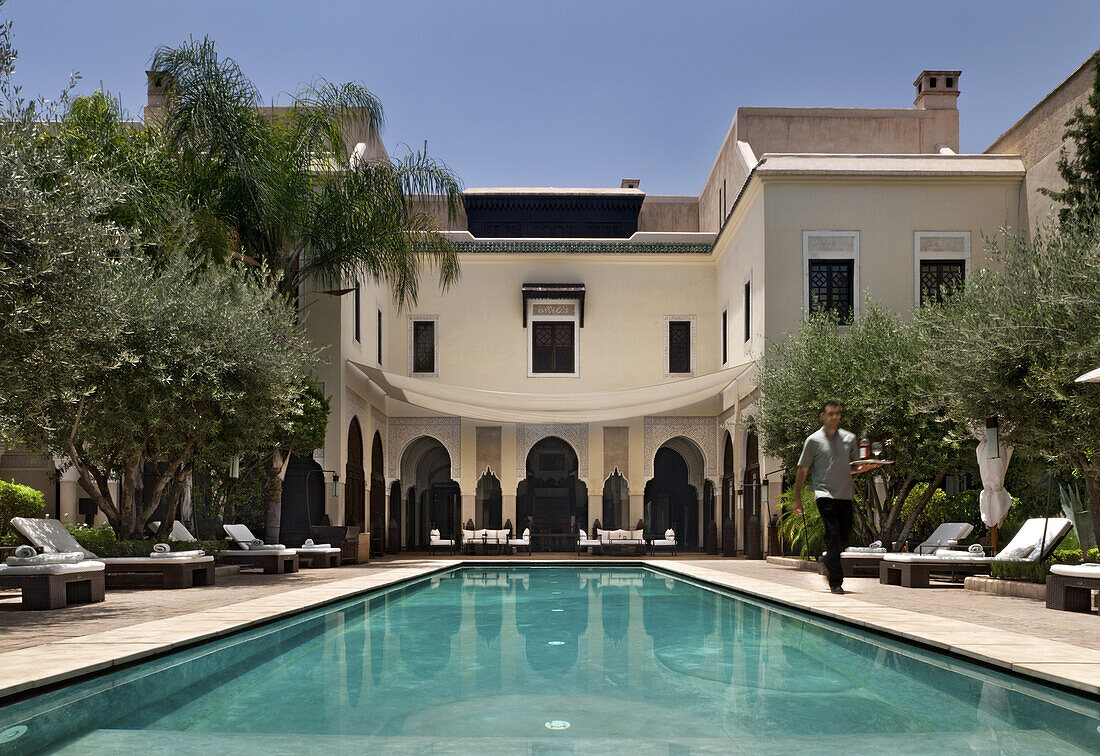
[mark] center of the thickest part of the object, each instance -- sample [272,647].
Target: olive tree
[868,368]
[1013,341]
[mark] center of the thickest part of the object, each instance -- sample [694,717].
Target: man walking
[825,458]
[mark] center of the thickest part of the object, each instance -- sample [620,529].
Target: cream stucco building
[596,358]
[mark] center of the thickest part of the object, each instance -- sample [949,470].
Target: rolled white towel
[311,545]
[875,545]
[161,548]
[976,549]
[25,552]
[308,544]
[256,543]
[69,557]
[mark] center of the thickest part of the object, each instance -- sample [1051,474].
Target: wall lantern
[335,480]
[235,467]
[992,438]
[741,498]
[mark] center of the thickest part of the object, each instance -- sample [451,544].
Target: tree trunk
[276,467]
[927,497]
[895,509]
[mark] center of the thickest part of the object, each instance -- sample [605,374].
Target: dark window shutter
[423,346]
[679,346]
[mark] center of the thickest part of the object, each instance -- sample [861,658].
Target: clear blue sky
[566,93]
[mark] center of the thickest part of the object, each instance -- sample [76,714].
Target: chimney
[937,90]
[630,183]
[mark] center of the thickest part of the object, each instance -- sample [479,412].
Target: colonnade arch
[432,497]
[674,495]
[552,499]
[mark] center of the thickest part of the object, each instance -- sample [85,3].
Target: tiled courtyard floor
[124,608]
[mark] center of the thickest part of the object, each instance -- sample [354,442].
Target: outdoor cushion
[1026,544]
[26,556]
[862,551]
[467,535]
[175,554]
[946,534]
[179,531]
[1087,570]
[955,556]
[583,535]
[244,538]
[160,560]
[670,534]
[87,565]
[49,535]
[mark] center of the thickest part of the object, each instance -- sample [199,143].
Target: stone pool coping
[48,664]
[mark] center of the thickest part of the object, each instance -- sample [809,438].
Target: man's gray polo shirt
[828,458]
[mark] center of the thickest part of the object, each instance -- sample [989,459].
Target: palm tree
[289,197]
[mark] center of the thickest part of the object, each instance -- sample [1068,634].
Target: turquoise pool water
[553,660]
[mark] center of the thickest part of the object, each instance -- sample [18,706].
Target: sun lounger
[51,581]
[179,531]
[862,561]
[584,542]
[437,543]
[914,570]
[174,571]
[273,558]
[1070,586]
[668,542]
[521,543]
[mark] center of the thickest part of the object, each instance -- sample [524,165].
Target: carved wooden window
[725,337]
[679,346]
[748,310]
[552,348]
[831,287]
[424,346]
[940,279]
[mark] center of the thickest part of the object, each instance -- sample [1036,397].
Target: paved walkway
[20,629]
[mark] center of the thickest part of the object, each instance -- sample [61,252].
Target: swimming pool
[550,660]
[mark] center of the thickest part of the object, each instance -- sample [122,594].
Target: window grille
[831,288]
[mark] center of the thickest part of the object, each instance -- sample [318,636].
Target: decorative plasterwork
[702,430]
[405,430]
[529,434]
[532,246]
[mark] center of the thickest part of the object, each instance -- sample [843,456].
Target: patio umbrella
[1092,376]
[994,501]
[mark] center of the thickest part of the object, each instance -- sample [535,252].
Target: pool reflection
[495,653]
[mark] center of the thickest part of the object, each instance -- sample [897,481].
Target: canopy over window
[554,291]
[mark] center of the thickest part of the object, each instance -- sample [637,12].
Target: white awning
[514,407]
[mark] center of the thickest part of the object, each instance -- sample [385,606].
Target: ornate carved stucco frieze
[529,434]
[702,430]
[405,430]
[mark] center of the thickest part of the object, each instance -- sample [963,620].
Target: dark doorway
[377,498]
[488,502]
[616,503]
[393,528]
[354,479]
[303,500]
[432,499]
[551,500]
[670,501]
[751,485]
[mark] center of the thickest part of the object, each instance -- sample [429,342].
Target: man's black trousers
[836,516]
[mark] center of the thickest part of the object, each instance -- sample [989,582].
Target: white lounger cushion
[1087,570]
[173,554]
[244,538]
[322,549]
[149,560]
[665,542]
[49,535]
[179,531]
[71,557]
[864,553]
[947,534]
[88,565]
[256,552]
[1026,544]
[961,557]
